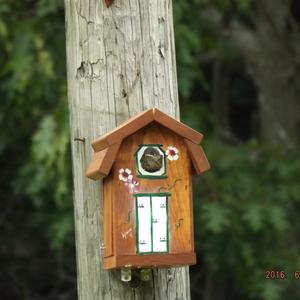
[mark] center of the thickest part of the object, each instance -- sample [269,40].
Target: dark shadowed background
[239,82]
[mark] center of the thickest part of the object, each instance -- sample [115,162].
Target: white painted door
[152,223]
[159,224]
[144,243]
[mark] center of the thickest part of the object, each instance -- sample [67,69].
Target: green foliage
[189,45]
[197,115]
[34,113]
[216,217]
[46,178]
[247,216]
[200,42]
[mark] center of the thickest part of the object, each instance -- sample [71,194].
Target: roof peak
[141,120]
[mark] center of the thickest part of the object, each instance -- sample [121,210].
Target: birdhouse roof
[107,146]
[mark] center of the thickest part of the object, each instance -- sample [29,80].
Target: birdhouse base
[149,261]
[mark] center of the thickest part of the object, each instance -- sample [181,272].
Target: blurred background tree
[238,67]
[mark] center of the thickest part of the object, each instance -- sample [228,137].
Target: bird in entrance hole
[151,160]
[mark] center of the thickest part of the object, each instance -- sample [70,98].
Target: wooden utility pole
[120,61]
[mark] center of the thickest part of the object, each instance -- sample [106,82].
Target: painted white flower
[132,186]
[172,153]
[125,175]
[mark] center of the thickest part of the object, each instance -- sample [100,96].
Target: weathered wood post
[120,61]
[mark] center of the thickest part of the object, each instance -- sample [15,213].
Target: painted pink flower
[132,186]
[125,175]
[172,153]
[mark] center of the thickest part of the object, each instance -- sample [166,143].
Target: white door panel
[144,224]
[152,224]
[159,223]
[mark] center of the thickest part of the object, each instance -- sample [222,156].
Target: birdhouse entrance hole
[151,161]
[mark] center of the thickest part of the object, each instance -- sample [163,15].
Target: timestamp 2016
[275,274]
[271,274]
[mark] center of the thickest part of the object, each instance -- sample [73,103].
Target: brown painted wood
[153,260]
[177,127]
[139,121]
[192,208]
[108,216]
[178,183]
[198,157]
[102,161]
[109,263]
[93,171]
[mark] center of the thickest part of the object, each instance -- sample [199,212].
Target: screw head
[145,274]
[125,275]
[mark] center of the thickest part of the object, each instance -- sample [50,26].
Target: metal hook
[77,139]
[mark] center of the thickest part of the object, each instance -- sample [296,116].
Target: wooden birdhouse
[147,165]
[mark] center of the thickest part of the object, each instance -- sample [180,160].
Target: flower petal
[128,171]
[121,170]
[170,157]
[130,177]
[175,157]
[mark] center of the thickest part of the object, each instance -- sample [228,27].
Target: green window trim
[151,222]
[149,176]
[164,176]
[152,194]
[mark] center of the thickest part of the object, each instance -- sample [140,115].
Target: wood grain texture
[120,61]
[157,260]
[139,121]
[108,2]
[108,206]
[102,161]
[125,129]
[198,157]
[106,146]
[178,183]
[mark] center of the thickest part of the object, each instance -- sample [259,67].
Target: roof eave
[141,120]
[102,162]
[198,157]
